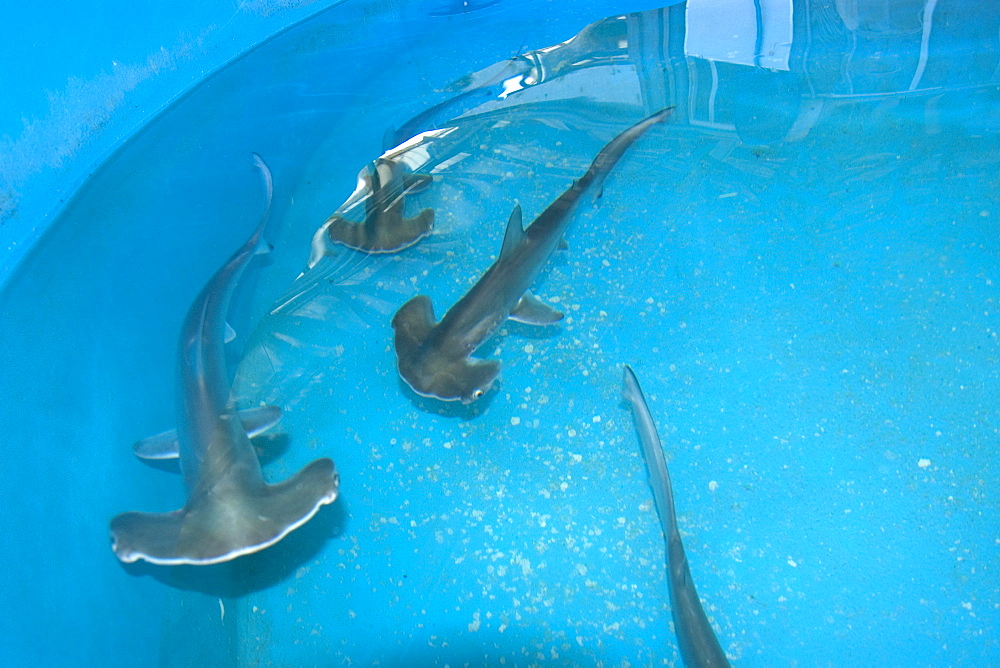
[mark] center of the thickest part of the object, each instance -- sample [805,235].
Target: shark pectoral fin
[263,247]
[532,311]
[255,420]
[229,335]
[259,419]
[214,528]
[412,323]
[416,183]
[515,232]
[160,446]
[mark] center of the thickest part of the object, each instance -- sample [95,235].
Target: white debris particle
[571,432]
[581,569]
[576,458]
[596,418]
[791,562]
[529,348]
[563,486]
[515,420]
[474,624]
[712,486]
[923,462]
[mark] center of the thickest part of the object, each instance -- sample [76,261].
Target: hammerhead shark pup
[385,229]
[434,359]
[230,510]
[697,641]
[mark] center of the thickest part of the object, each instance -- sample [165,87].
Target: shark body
[230,510]
[385,228]
[434,357]
[695,637]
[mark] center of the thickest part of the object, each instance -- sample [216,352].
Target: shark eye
[476,394]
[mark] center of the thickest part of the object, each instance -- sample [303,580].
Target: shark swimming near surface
[385,228]
[695,637]
[230,511]
[433,358]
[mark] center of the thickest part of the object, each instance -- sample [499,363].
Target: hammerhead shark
[230,510]
[697,641]
[385,229]
[434,357]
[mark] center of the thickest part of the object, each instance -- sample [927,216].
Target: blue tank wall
[86,82]
[77,83]
[78,80]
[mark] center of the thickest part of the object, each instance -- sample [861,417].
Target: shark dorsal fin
[375,177]
[515,232]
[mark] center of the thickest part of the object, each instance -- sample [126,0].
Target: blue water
[801,267]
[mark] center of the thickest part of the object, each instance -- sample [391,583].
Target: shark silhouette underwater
[434,358]
[695,637]
[385,186]
[230,511]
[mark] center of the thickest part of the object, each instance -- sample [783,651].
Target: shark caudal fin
[215,527]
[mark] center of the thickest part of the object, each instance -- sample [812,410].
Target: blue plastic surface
[801,267]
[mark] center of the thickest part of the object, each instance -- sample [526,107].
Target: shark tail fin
[214,528]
